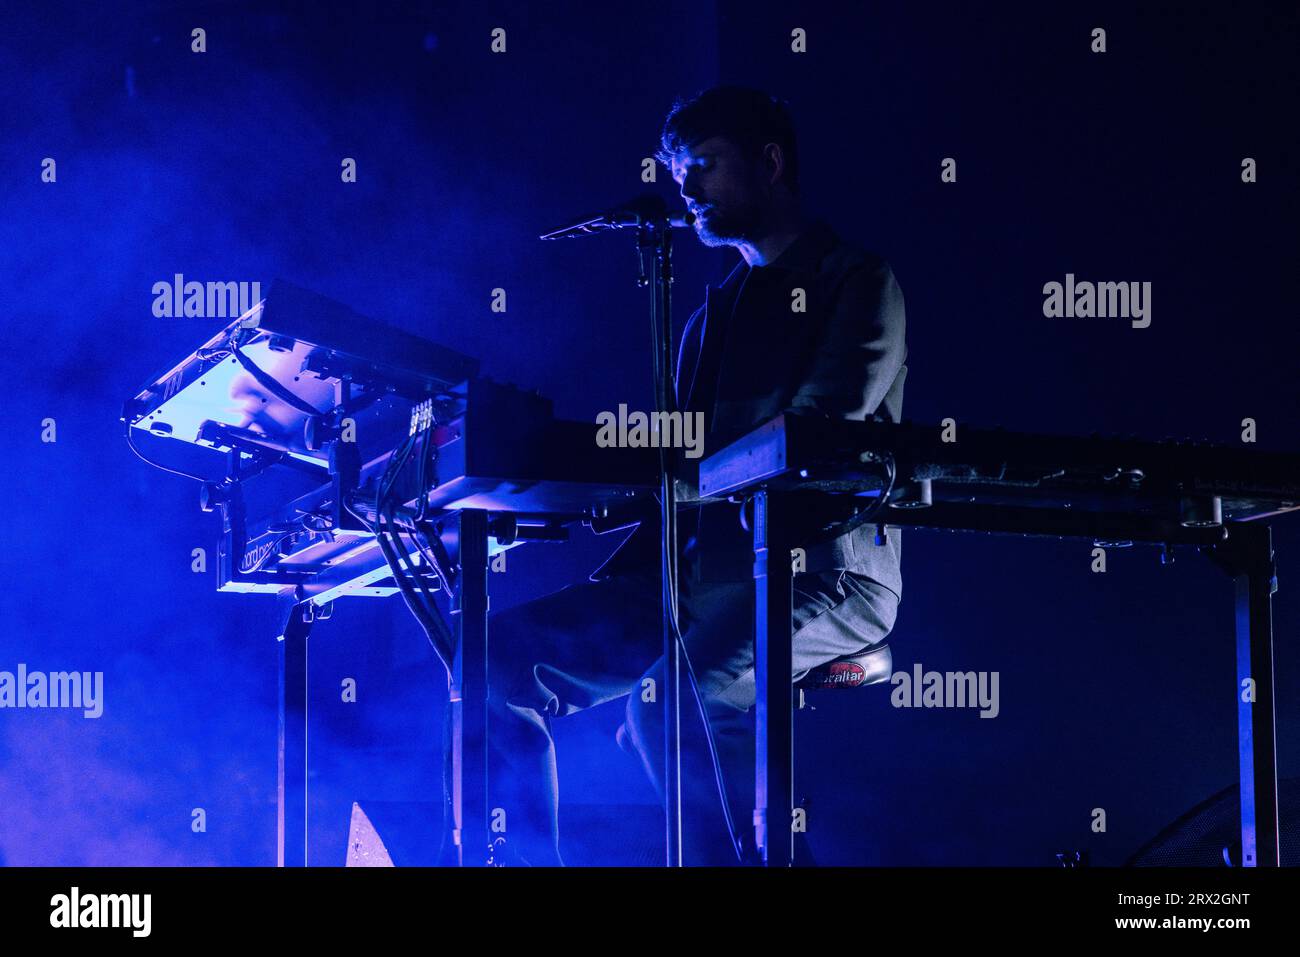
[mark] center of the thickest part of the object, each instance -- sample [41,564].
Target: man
[805,323]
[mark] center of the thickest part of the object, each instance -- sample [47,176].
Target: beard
[727,225]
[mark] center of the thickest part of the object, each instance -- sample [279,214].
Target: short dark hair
[749,118]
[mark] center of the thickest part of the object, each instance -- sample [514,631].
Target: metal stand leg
[774,666]
[654,236]
[671,691]
[469,694]
[296,619]
[1248,557]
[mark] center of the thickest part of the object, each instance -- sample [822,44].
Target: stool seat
[868,667]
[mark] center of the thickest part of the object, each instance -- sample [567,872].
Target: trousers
[596,642]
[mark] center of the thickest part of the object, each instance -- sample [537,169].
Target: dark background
[1117,690]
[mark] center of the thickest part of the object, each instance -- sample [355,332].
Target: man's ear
[773,164]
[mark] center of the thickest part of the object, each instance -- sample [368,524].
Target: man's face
[723,188]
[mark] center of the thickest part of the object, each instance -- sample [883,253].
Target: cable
[420,603]
[266,556]
[418,577]
[428,455]
[434,628]
[433,552]
[130,441]
[435,555]
[267,382]
[438,552]
[429,619]
[665,392]
[869,514]
[358,516]
[736,842]
[413,533]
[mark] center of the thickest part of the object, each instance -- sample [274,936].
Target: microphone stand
[649,216]
[654,240]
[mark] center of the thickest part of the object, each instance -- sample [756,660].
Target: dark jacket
[746,356]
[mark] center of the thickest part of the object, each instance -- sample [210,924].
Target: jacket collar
[805,254]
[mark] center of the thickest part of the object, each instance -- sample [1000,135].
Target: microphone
[628,215]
